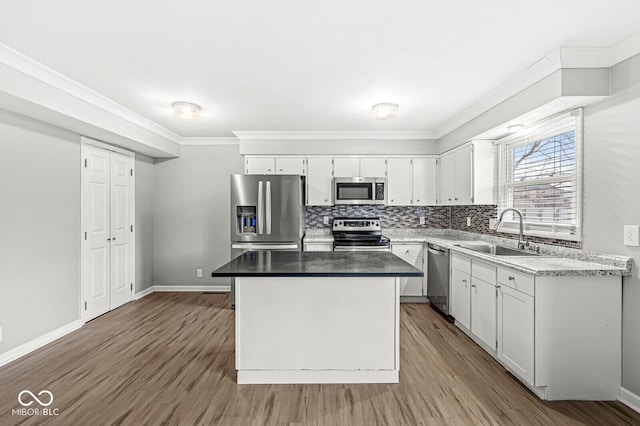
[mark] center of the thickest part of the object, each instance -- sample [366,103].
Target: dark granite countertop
[317,264]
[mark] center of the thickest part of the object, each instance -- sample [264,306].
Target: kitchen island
[317,317]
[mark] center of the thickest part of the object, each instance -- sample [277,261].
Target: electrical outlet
[325,220]
[423,220]
[468,221]
[492,223]
[632,235]
[199,273]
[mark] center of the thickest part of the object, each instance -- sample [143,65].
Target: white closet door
[121,231]
[96,247]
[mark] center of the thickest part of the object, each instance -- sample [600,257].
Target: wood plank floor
[169,359]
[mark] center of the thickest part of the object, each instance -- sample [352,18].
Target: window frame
[540,131]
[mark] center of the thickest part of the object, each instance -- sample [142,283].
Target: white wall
[612,194]
[145,182]
[191,214]
[39,229]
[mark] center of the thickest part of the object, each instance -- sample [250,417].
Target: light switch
[632,235]
[325,220]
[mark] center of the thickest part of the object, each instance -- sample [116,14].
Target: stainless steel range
[358,234]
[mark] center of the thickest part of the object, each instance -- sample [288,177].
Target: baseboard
[629,399]
[39,342]
[194,288]
[147,291]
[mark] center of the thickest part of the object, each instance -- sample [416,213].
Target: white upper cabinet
[466,174]
[319,181]
[260,165]
[446,178]
[289,165]
[274,165]
[373,167]
[424,181]
[462,193]
[346,166]
[399,182]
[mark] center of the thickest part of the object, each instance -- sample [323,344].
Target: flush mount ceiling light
[186,111]
[515,128]
[385,111]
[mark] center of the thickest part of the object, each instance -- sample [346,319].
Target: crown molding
[209,141]
[335,135]
[562,57]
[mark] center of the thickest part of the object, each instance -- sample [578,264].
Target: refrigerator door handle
[268,208]
[260,208]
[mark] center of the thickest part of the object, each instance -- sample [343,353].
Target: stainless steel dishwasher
[438,277]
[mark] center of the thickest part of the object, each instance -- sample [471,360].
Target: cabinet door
[447,178]
[462,181]
[483,311]
[318,247]
[515,332]
[260,166]
[346,167]
[319,181]
[373,167]
[410,253]
[289,166]
[425,173]
[399,182]
[461,298]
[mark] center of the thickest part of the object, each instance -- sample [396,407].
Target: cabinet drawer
[484,271]
[461,263]
[517,280]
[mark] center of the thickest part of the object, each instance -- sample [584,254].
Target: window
[540,175]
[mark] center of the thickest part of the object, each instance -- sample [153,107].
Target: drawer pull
[511,278]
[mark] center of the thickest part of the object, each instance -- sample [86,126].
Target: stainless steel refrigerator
[266,214]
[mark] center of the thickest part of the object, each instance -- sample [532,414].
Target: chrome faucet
[522,243]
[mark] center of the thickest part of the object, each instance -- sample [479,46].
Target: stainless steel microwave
[359,190]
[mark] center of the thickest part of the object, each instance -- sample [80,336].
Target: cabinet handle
[325,200]
[113,239]
[449,199]
[392,200]
[473,285]
[456,199]
[417,201]
[406,252]
[108,239]
[269,170]
[281,170]
[498,286]
[511,278]
[464,281]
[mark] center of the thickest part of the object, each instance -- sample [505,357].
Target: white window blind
[540,175]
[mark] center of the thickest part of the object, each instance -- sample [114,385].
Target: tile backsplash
[390,216]
[437,217]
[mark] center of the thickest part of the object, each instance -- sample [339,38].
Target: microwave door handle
[268,208]
[260,208]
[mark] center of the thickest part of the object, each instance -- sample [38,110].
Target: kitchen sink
[496,250]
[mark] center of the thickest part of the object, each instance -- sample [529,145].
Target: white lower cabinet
[483,311]
[560,335]
[410,253]
[317,247]
[515,331]
[461,297]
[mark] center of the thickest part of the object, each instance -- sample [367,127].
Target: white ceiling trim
[24,64]
[562,57]
[326,135]
[193,141]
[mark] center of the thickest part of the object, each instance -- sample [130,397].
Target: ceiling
[289,65]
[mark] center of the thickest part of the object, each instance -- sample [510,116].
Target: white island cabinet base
[317,329]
